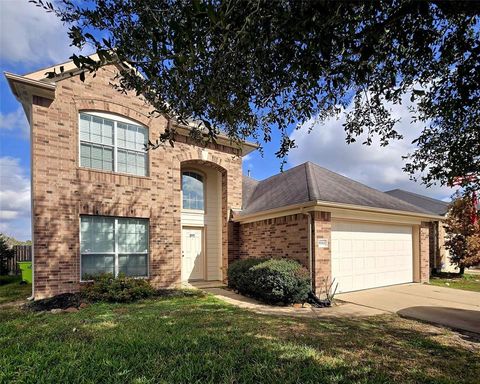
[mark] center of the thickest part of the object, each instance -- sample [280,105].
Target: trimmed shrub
[270,280]
[239,275]
[121,289]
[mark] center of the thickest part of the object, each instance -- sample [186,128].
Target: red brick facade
[425,252]
[62,191]
[287,236]
[281,237]
[322,228]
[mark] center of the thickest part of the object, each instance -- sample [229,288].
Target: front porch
[203,284]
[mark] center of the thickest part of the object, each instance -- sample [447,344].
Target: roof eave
[36,87]
[246,147]
[379,210]
[313,205]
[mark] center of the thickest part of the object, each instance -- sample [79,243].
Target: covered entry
[369,255]
[201,222]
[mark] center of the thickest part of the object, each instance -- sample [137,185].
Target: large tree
[463,231]
[249,67]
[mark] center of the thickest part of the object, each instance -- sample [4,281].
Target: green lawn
[203,340]
[469,282]
[11,289]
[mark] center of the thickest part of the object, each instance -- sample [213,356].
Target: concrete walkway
[343,310]
[454,308]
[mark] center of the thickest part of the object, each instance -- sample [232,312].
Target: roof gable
[309,182]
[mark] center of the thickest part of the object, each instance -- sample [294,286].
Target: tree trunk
[462,271]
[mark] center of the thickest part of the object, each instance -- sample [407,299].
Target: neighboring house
[439,255]
[100,203]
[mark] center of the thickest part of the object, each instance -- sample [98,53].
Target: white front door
[368,255]
[193,263]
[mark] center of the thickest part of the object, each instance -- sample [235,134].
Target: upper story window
[112,143]
[192,190]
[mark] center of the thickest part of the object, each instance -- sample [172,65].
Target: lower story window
[113,245]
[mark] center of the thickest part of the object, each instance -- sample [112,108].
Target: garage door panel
[368,255]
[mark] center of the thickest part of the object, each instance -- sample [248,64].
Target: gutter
[23,88]
[12,78]
[320,205]
[245,146]
[379,210]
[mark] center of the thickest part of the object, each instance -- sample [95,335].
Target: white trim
[328,206]
[112,116]
[114,146]
[32,205]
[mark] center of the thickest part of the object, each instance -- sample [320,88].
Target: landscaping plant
[270,280]
[121,289]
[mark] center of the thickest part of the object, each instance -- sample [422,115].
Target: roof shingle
[432,205]
[309,182]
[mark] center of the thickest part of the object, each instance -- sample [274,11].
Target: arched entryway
[203,219]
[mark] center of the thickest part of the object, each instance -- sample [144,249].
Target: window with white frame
[113,245]
[112,143]
[192,191]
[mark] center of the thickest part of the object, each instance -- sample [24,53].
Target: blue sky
[31,39]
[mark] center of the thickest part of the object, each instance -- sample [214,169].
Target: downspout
[32,212]
[435,247]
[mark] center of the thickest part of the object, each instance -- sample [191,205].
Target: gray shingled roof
[432,205]
[248,186]
[309,182]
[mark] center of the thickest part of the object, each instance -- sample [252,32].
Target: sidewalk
[336,311]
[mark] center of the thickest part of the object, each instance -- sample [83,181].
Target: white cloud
[29,35]
[14,199]
[376,166]
[15,122]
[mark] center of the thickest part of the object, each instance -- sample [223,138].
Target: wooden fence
[21,253]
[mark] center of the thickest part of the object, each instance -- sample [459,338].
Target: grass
[469,282]
[204,340]
[11,290]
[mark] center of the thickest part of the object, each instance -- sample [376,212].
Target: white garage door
[370,255]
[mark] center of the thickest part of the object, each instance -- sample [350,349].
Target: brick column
[321,230]
[424,252]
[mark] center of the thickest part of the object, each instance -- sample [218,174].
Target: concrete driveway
[453,308]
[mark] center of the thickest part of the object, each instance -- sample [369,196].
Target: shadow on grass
[206,341]
[13,290]
[462,320]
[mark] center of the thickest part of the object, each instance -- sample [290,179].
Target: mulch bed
[62,301]
[74,300]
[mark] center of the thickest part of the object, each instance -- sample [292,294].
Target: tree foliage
[463,234]
[6,253]
[249,67]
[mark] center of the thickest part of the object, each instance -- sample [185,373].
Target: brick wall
[62,191]
[288,237]
[425,252]
[285,236]
[322,227]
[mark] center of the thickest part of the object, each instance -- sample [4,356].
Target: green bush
[270,280]
[122,289]
[239,276]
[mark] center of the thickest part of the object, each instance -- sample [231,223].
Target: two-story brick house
[100,203]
